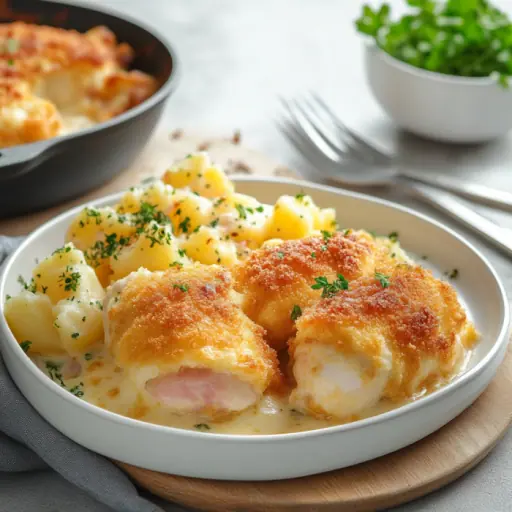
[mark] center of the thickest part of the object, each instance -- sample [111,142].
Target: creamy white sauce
[75,123]
[105,386]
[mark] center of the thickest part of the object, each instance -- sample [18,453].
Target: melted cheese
[105,386]
[195,216]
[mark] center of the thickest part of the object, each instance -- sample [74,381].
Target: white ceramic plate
[260,457]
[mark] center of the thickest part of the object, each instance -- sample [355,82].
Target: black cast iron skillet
[41,174]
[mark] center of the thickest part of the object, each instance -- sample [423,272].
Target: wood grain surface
[388,481]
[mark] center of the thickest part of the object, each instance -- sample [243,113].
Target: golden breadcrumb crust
[42,121]
[276,277]
[41,64]
[418,315]
[188,316]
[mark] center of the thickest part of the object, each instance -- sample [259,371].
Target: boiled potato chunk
[156,194]
[65,274]
[197,172]
[190,212]
[206,247]
[155,249]
[30,318]
[187,172]
[92,224]
[325,219]
[291,219]
[214,183]
[79,324]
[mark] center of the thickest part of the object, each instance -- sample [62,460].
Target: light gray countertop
[238,56]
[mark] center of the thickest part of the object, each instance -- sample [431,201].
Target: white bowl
[260,457]
[437,106]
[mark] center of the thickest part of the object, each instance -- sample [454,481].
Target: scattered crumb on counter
[204,146]
[238,166]
[176,134]
[237,137]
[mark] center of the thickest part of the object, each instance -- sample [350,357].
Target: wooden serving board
[396,478]
[388,481]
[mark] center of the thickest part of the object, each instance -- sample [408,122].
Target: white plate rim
[450,388]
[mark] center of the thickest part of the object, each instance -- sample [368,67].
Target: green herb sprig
[330,289]
[470,38]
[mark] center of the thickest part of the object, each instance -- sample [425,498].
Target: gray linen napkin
[36,460]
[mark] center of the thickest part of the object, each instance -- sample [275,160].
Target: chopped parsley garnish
[260,209]
[330,289]
[280,255]
[468,38]
[326,235]
[300,196]
[383,279]
[64,249]
[70,280]
[95,214]
[182,252]
[157,235]
[54,372]
[393,236]
[313,254]
[296,312]
[45,288]
[242,214]
[87,356]
[25,345]
[184,225]
[75,335]
[30,286]
[148,213]
[202,426]
[454,274]
[77,390]
[105,249]
[176,264]
[182,287]
[214,223]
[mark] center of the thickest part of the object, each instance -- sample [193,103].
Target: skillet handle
[18,160]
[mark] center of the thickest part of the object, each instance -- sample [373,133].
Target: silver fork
[343,157]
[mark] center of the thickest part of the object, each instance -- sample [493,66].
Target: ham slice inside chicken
[197,389]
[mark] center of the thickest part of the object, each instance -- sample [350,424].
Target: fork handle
[479,193]
[445,202]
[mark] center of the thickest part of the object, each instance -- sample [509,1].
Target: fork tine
[308,132]
[304,146]
[377,154]
[341,134]
[309,135]
[316,158]
[320,164]
[320,130]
